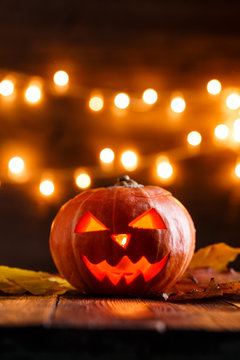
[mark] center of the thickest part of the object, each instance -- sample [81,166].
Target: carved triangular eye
[150,219]
[89,223]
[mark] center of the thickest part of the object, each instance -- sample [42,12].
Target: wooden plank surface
[112,313]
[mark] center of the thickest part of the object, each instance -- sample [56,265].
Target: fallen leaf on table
[19,281]
[216,256]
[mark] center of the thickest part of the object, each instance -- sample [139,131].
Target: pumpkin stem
[127,182]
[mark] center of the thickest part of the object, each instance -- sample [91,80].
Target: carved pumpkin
[128,239]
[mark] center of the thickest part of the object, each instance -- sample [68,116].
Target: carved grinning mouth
[125,269]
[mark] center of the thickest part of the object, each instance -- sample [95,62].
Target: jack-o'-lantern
[128,239]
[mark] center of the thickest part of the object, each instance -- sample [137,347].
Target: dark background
[116,46]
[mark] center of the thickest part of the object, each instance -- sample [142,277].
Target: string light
[129,160]
[61,78]
[150,96]
[194,138]
[233,101]
[46,187]
[96,103]
[122,101]
[107,156]
[236,130]
[221,131]
[83,180]
[33,94]
[178,105]
[214,87]
[237,170]
[164,169]
[6,87]
[16,165]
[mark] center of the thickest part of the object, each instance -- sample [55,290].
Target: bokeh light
[150,96]
[129,160]
[237,170]
[164,169]
[122,101]
[83,180]
[107,156]
[233,101]
[221,131]
[33,94]
[61,78]
[46,187]
[178,104]
[194,138]
[16,165]
[96,103]
[236,130]
[214,87]
[6,87]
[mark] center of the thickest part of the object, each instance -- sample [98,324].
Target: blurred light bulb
[150,96]
[61,78]
[33,94]
[194,138]
[164,169]
[83,180]
[178,105]
[6,87]
[221,131]
[122,101]
[236,130]
[214,87]
[46,188]
[237,170]
[16,165]
[96,103]
[129,160]
[233,101]
[107,156]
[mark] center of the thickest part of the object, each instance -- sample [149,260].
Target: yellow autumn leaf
[215,256]
[19,281]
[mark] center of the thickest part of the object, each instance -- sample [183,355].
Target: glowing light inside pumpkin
[89,223]
[214,87]
[121,239]
[150,96]
[6,87]
[194,138]
[61,78]
[129,160]
[33,94]
[16,165]
[150,219]
[83,180]
[233,101]
[122,101]
[96,103]
[178,104]
[107,156]
[46,188]
[221,131]
[126,269]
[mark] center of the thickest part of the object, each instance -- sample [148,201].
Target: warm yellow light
[107,156]
[164,169]
[233,101]
[96,103]
[61,78]
[221,131]
[46,188]
[33,94]
[122,101]
[214,87]
[16,165]
[194,138]
[150,96]
[6,87]
[178,105]
[129,160]
[236,130]
[83,180]
[237,170]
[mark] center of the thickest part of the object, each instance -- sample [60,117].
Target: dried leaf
[216,256]
[18,281]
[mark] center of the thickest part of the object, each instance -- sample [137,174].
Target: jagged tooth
[114,278]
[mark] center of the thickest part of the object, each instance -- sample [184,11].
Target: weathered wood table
[68,324]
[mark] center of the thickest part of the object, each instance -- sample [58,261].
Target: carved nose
[121,239]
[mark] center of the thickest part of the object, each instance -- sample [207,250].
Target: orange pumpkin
[128,239]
